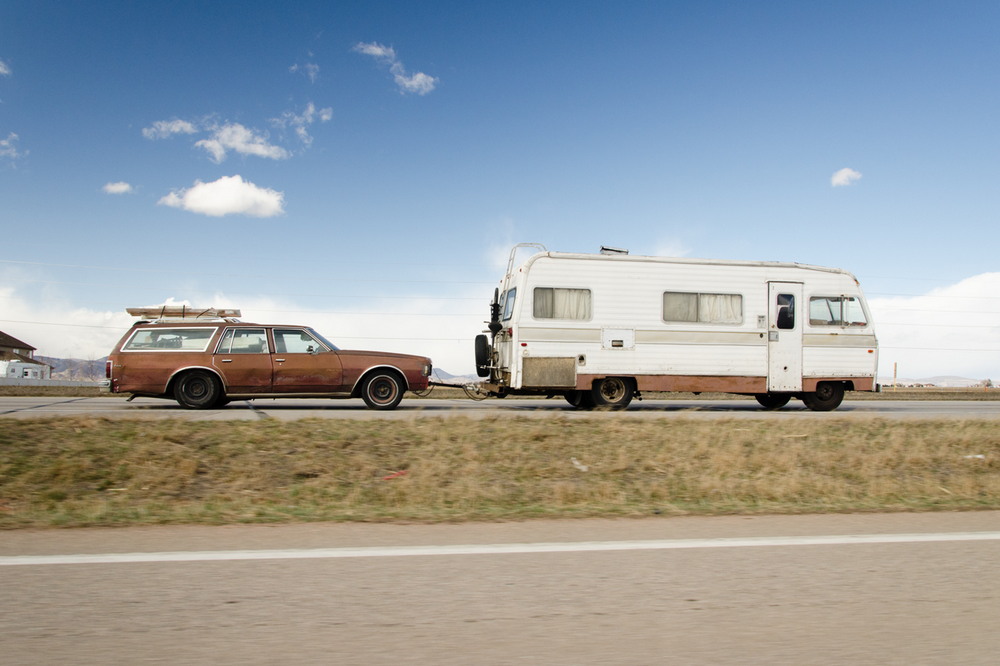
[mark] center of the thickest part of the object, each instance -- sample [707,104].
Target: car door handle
[227,360]
[279,360]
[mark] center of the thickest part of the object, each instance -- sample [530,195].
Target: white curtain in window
[552,303]
[680,307]
[703,308]
[720,308]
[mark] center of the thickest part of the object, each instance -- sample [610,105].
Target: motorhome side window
[702,308]
[507,303]
[836,311]
[559,303]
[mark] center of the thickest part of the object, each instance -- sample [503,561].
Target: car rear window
[170,339]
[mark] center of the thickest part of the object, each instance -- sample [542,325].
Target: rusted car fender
[356,389]
[180,371]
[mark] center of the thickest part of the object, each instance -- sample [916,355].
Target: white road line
[493,549]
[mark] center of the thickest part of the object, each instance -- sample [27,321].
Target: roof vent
[612,250]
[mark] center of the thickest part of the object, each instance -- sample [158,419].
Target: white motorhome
[600,328]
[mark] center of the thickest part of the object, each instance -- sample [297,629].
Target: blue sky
[364,167]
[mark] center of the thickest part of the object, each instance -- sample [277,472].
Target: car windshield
[326,342]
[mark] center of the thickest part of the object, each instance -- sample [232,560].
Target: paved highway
[290,409]
[843,589]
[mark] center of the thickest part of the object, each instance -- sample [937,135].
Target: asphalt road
[843,589]
[291,409]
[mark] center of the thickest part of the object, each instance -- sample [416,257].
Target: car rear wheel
[382,390]
[198,389]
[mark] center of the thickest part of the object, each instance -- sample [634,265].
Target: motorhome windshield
[507,303]
[836,311]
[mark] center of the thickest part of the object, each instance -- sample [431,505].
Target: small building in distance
[17,360]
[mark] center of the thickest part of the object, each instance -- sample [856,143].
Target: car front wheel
[382,390]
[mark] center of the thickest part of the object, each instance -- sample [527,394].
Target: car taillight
[107,369]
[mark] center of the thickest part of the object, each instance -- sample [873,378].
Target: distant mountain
[448,378]
[75,368]
[942,381]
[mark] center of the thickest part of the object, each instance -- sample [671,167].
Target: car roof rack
[183,313]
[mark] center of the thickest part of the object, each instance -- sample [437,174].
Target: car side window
[243,341]
[170,339]
[295,341]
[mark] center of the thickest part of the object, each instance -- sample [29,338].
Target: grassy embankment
[91,471]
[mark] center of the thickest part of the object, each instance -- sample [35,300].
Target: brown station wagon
[203,359]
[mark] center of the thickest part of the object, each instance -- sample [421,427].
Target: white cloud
[954,330]
[229,195]
[121,187]
[418,83]
[4,69]
[671,247]
[301,122]
[443,329]
[163,129]
[36,308]
[845,177]
[376,50]
[58,328]
[8,147]
[310,70]
[222,139]
[236,137]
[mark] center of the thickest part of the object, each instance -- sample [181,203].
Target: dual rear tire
[613,393]
[826,398]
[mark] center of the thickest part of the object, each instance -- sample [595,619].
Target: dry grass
[86,471]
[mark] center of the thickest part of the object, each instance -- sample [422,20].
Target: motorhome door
[784,336]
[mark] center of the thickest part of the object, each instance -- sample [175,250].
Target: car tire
[382,390]
[198,389]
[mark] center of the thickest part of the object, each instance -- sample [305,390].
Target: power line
[244,275]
